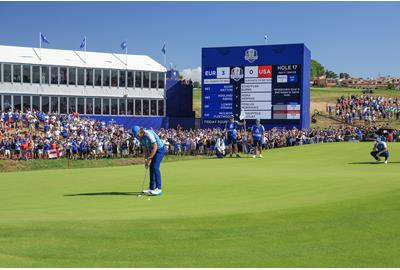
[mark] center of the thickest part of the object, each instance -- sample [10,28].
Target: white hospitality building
[90,83]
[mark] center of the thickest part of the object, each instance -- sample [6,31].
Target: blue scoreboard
[270,83]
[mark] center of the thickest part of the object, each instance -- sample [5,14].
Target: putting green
[309,206]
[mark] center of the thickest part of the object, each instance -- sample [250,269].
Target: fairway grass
[308,206]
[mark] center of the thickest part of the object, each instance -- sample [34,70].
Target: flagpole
[85,48]
[40,45]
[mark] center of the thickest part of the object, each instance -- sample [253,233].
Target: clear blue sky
[362,38]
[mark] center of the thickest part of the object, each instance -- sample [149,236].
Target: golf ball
[148,199]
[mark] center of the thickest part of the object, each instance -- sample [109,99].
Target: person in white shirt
[220,146]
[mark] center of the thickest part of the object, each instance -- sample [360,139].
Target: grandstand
[101,85]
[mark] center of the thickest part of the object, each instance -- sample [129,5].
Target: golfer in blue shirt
[257,132]
[231,128]
[153,149]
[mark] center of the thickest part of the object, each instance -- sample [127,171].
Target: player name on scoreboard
[255,90]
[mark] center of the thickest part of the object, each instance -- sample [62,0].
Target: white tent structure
[66,81]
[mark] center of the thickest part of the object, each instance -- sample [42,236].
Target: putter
[144,179]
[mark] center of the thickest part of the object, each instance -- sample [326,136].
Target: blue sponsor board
[281,70]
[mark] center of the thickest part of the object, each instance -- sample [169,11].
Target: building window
[54,75]
[35,74]
[71,104]
[106,77]
[89,77]
[45,104]
[72,76]
[54,105]
[160,80]
[45,75]
[146,79]
[63,75]
[138,79]
[138,107]
[26,69]
[1,78]
[130,107]
[7,101]
[106,106]
[26,103]
[146,107]
[63,105]
[97,77]
[114,78]
[97,106]
[17,103]
[114,106]
[122,78]
[122,105]
[7,73]
[17,73]
[130,79]
[89,105]
[81,105]
[36,103]
[153,77]
[153,107]
[81,76]
[161,107]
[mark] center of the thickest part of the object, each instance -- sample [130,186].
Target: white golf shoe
[386,161]
[147,191]
[254,156]
[156,192]
[260,156]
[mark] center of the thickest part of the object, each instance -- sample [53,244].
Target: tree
[317,69]
[196,84]
[330,74]
[344,75]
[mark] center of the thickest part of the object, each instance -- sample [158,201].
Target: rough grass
[29,165]
[310,206]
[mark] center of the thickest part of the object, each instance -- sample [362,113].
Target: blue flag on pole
[44,39]
[124,45]
[164,49]
[83,43]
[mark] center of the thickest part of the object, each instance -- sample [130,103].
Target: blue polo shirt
[149,138]
[232,128]
[257,132]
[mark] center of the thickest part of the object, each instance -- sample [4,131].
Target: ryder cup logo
[250,55]
[236,74]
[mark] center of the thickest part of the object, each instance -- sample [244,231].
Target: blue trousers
[155,173]
[384,154]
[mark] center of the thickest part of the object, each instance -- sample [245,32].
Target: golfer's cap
[135,130]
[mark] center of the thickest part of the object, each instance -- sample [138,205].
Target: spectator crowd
[35,135]
[365,108]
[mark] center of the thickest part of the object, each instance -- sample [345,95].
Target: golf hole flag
[242,115]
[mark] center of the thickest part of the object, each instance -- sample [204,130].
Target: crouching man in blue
[380,150]
[153,149]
